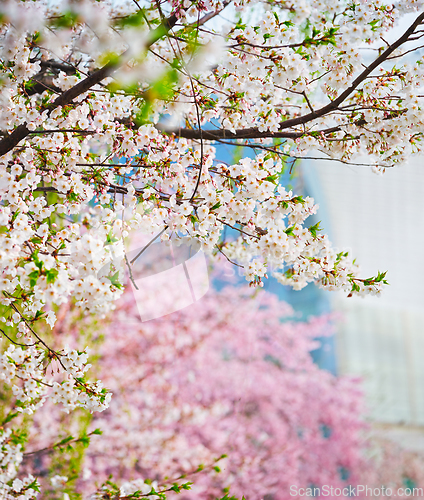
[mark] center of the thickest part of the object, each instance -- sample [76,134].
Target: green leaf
[34,485]
[114,279]
[133,20]
[63,442]
[315,32]
[10,417]
[33,277]
[272,178]
[315,228]
[110,238]
[51,275]
[84,440]
[216,206]
[240,25]
[67,20]
[18,437]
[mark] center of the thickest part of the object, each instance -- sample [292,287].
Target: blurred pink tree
[232,375]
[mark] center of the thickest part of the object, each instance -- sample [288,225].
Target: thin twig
[148,244]
[130,271]
[17,343]
[229,260]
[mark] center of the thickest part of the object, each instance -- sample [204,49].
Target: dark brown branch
[46,189]
[22,131]
[219,134]
[41,83]
[210,15]
[253,132]
[15,342]
[212,135]
[52,64]
[83,86]
[63,131]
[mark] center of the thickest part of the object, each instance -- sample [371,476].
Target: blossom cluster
[10,459]
[25,371]
[94,146]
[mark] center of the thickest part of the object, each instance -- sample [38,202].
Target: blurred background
[379,218]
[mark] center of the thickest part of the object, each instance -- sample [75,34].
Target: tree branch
[253,132]
[22,131]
